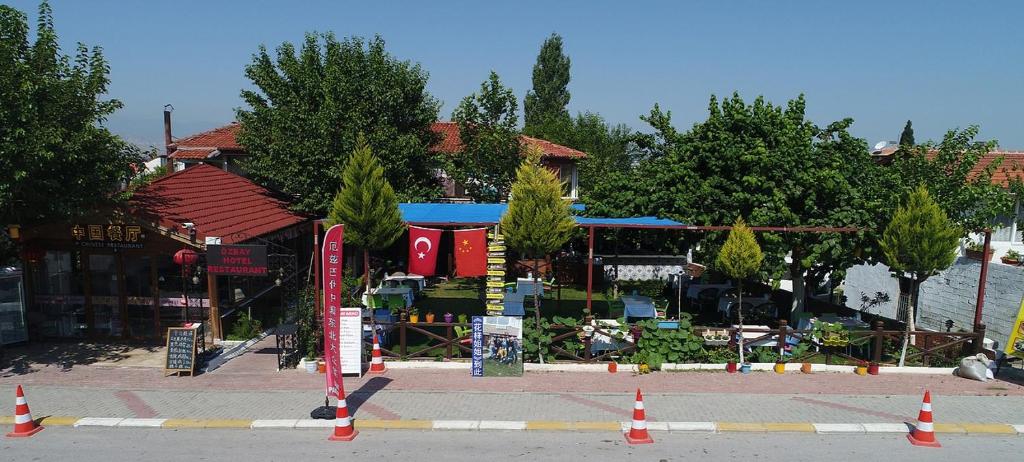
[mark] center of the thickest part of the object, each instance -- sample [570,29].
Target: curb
[967,428]
[602,367]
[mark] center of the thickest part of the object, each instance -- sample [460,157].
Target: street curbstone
[456,425]
[838,428]
[740,427]
[394,424]
[57,420]
[6,420]
[789,427]
[948,428]
[551,425]
[314,423]
[691,427]
[886,428]
[148,423]
[207,423]
[503,425]
[591,426]
[98,422]
[651,426]
[988,429]
[1019,428]
[273,423]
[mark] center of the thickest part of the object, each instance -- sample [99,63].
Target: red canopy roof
[203,145]
[219,203]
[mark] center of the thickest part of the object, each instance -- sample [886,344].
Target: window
[567,175]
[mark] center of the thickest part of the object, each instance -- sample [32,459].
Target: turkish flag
[423,244]
[471,252]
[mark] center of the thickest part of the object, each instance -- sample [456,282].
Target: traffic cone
[376,362]
[343,429]
[23,423]
[638,430]
[924,433]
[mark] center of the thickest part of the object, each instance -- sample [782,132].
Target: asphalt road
[107,444]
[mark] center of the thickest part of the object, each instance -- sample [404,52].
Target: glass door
[105,284]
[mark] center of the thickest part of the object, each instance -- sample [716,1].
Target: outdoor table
[725,303]
[514,304]
[529,286]
[748,336]
[405,292]
[600,342]
[419,280]
[638,306]
[694,289]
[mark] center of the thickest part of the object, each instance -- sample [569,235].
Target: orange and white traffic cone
[23,423]
[343,429]
[376,362]
[924,433]
[638,430]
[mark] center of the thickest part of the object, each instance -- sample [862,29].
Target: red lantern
[186,257]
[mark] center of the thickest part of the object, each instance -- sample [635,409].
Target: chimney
[168,140]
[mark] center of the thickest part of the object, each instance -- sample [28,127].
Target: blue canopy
[490,214]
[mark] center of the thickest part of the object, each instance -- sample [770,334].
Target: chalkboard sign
[181,350]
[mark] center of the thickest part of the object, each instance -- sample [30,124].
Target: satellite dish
[880,145]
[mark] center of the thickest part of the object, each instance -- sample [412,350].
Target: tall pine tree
[907,135]
[366,205]
[545,105]
[740,258]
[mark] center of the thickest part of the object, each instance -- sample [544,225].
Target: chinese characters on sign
[332,271]
[478,346]
[114,236]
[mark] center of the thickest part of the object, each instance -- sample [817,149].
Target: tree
[907,135]
[740,258]
[609,148]
[491,151]
[57,160]
[366,205]
[538,220]
[544,107]
[919,242]
[309,106]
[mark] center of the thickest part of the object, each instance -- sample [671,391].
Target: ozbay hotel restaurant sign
[237,260]
[108,236]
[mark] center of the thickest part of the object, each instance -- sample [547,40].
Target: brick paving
[249,387]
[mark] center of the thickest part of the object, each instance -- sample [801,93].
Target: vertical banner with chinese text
[332,277]
[478,346]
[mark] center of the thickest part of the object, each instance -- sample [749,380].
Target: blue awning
[490,214]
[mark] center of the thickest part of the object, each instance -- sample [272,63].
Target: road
[107,444]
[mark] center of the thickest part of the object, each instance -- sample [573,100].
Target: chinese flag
[471,252]
[423,243]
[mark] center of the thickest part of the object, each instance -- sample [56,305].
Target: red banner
[332,272]
[471,252]
[423,244]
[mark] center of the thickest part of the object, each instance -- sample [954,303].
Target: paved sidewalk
[249,387]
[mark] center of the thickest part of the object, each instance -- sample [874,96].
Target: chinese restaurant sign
[113,236]
[237,260]
[332,273]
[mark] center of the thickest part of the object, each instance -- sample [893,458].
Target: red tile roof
[451,143]
[203,145]
[1011,168]
[219,203]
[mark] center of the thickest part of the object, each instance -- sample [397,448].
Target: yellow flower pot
[780,368]
[861,370]
[414,318]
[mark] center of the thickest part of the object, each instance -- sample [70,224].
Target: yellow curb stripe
[789,427]
[741,427]
[58,420]
[948,428]
[609,426]
[394,424]
[548,425]
[6,419]
[207,423]
[1000,429]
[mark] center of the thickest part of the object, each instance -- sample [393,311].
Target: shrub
[245,328]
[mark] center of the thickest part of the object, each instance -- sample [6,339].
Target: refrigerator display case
[12,308]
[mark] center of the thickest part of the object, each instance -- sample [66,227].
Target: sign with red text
[350,334]
[331,265]
[237,260]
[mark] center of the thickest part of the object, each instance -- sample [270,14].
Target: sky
[941,64]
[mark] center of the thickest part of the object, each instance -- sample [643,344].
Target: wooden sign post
[181,350]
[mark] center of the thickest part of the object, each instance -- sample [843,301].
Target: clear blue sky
[941,64]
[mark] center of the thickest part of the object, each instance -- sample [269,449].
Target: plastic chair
[374,301]
[396,300]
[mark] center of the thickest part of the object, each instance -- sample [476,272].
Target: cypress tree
[740,258]
[907,135]
[366,205]
[546,103]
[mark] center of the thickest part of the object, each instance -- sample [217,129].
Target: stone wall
[949,295]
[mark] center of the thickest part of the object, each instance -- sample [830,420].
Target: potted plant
[463,318]
[448,317]
[745,368]
[430,316]
[780,366]
[1012,257]
[873,368]
[862,368]
[975,250]
[805,368]
[730,367]
[613,367]
[414,315]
